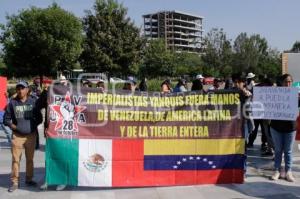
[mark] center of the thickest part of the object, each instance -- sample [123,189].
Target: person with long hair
[143,85]
[283,134]
[166,86]
[180,86]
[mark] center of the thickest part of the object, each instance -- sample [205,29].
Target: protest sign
[114,140]
[275,103]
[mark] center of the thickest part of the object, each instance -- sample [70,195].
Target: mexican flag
[143,162]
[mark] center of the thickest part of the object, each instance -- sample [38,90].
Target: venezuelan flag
[177,162]
[193,154]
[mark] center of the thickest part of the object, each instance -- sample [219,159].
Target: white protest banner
[276,103]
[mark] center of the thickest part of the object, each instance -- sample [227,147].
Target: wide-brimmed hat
[250,75]
[199,76]
[62,79]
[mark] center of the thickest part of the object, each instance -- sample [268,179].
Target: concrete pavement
[257,184]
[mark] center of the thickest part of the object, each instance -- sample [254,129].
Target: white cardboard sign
[275,103]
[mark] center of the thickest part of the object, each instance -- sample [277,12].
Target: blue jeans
[283,143]
[7,131]
[247,130]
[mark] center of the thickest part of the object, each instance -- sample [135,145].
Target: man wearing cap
[198,83]
[22,117]
[130,84]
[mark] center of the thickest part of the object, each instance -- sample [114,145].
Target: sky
[276,20]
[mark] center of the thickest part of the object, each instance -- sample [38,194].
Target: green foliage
[217,54]
[249,52]
[3,68]
[112,43]
[158,60]
[188,64]
[2,64]
[296,47]
[271,64]
[37,39]
[40,41]
[154,84]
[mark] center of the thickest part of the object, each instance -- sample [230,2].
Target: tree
[41,41]
[296,47]
[270,65]
[249,51]
[2,65]
[158,60]
[112,42]
[217,53]
[187,64]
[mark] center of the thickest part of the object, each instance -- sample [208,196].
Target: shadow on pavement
[5,145]
[5,180]
[267,190]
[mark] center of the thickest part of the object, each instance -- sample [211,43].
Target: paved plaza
[257,184]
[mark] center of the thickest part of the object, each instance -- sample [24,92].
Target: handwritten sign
[276,103]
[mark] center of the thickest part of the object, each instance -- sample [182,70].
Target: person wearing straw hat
[198,83]
[250,82]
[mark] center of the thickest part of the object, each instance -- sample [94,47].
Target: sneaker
[275,176]
[267,153]
[282,174]
[290,177]
[263,147]
[44,187]
[60,187]
[31,183]
[13,187]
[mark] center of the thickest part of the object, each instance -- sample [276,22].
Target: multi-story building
[290,65]
[181,31]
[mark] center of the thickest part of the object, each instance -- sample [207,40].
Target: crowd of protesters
[277,136]
[25,110]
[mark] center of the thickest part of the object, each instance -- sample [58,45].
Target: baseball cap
[22,83]
[131,79]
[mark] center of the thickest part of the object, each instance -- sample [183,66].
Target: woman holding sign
[283,134]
